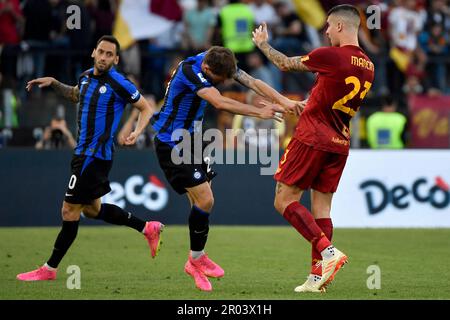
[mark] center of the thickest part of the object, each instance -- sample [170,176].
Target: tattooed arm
[284,63]
[68,92]
[248,81]
[264,90]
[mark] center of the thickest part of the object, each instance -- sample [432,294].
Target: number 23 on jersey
[340,104]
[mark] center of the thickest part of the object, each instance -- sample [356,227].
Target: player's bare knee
[69,213]
[90,212]
[205,203]
[283,200]
[279,204]
[321,214]
[320,211]
[320,205]
[89,215]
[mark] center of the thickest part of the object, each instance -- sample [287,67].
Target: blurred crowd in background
[409,49]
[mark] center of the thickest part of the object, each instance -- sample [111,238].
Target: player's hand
[131,139]
[296,107]
[41,82]
[271,111]
[260,34]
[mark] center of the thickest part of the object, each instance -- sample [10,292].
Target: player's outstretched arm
[68,92]
[266,91]
[268,111]
[145,113]
[284,63]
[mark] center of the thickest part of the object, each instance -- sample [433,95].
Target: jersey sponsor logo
[339,141]
[135,95]
[201,77]
[151,194]
[102,89]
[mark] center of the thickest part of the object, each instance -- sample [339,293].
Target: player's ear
[206,70]
[340,26]
[93,53]
[116,60]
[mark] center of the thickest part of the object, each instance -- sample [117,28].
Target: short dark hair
[347,8]
[111,39]
[221,61]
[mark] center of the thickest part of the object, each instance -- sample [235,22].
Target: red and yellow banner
[429,121]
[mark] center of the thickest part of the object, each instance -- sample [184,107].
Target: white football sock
[197,254]
[48,267]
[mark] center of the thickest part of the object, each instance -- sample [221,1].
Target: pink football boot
[152,233]
[43,273]
[201,281]
[207,266]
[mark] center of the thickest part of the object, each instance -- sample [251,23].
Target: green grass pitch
[259,262]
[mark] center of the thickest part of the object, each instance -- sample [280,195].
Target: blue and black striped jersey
[102,101]
[182,106]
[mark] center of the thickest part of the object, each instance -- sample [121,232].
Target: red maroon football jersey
[344,76]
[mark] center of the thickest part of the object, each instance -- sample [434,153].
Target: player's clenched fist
[260,34]
[131,139]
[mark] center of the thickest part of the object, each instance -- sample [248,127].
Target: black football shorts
[89,179]
[184,175]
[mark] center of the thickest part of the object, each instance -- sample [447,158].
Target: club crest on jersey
[197,175]
[102,89]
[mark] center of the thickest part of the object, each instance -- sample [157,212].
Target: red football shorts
[306,167]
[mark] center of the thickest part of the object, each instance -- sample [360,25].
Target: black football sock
[63,242]
[198,228]
[115,215]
